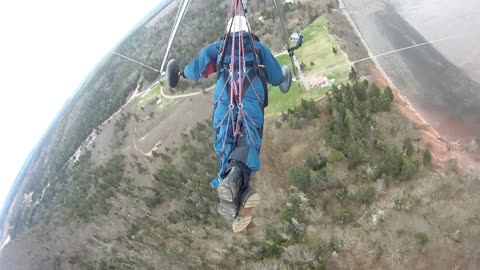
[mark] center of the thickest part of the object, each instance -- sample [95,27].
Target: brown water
[440,79]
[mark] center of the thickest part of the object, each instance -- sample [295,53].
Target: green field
[284,59]
[154,94]
[317,56]
[278,102]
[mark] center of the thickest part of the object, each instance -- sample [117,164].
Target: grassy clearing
[284,59]
[165,103]
[317,55]
[153,95]
[279,101]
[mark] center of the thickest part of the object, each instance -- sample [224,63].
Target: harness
[254,68]
[244,65]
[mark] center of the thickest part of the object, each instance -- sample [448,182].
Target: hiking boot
[228,210]
[230,185]
[249,199]
[241,222]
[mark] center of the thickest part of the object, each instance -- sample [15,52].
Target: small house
[320,82]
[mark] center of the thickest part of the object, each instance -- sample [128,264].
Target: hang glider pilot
[238,120]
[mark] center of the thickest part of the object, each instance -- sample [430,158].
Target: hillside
[347,182]
[115,79]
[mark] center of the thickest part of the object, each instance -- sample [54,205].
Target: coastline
[443,150]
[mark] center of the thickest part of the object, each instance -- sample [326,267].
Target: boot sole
[253,201]
[230,186]
[227,210]
[224,193]
[242,221]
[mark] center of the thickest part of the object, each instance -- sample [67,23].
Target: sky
[47,48]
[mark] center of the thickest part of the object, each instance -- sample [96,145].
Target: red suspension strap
[241,62]
[236,85]
[240,65]
[232,67]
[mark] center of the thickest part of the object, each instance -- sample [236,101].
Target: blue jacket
[208,54]
[253,100]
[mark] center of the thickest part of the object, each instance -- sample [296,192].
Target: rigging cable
[135,61]
[395,51]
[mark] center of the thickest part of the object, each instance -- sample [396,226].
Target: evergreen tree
[375,104]
[357,154]
[427,157]
[353,75]
[393,161]
[385,103]
[354,128]
[408,147]
[347,96]
[338,124]
[316,162]
[337,93]
[301,178]
[408,169]
[360,90]
[365,83]
[326,133]
[337,142]
[360,110]
[374,91]
[329,104]
[388,93]
[334,50]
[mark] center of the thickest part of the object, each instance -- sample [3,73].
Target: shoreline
[443,94]
[402,97]
[442,150]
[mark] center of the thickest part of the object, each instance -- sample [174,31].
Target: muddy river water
[441,79]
